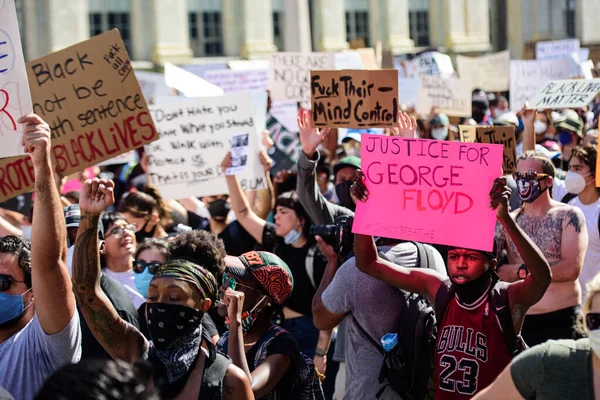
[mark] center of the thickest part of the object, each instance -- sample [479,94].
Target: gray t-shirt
[377,306]
[30,356]
[555,370]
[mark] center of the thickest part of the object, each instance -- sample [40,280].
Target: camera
[338,235]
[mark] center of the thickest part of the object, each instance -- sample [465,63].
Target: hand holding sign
[310,137]
[407,126]
[36,138]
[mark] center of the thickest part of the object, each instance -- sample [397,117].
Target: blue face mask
[565,138]
[11,306]
[292,237]
[142,281]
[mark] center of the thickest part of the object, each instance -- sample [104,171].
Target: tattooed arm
[236,385]
[119,338]
[573,247]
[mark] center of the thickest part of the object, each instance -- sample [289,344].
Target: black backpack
[408,368]
[498,297]
[570,196]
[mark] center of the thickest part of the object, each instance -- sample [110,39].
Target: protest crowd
[356,245]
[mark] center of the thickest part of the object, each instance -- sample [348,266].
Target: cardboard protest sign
[289,74]
[428,191]
[489,72]
[354,98]
[556,49]
[504,135]
[451,96]
[430,63]
[238,81]
[287,148]
[189,84]
[570,93]
[527,77]
[91,99]
[195,135]
[14,88]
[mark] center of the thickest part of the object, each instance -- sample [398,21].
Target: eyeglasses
[592,321]
[6,282]
[118,231]
[529,176]
[232,283]
[139,266]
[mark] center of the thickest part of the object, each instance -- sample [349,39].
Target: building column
[171,32]
[586,18]
[68,23]
[141,31]
[296,26]
[465,26]
[232,20]
[330,25]
[257,29]
[397,34]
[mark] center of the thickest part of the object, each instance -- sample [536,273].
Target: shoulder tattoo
[575,219]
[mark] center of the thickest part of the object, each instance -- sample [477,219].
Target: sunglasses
[529,176]
[6,282]
[592,321]
[139,266]
[232,283]
[118,231]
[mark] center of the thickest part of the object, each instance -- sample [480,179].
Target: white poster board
[408,91]
[451,96]
[430,63]
[489,72]
[15,99]
[189,84]
[286,112]
[556,49]
[527,77]
[195,135]
[238,81]
[348,60]
[289,74]
[570,93]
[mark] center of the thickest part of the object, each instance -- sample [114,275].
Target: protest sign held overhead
[528,77]
[195,135]
[238,81]
[572,93]
[287,148]
[14,88]
[430,63]
[189,84]
[489,72]
[504,135]
[289,74]
[436,188]
[286,112]
[556,49]
[91,99]
[451,96]
[354,98]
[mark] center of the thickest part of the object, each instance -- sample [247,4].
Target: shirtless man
[560,232]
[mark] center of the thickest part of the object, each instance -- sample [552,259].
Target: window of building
[418,21]
[206,28]
[570,18]
[277,25]
[357,26]
[106,15]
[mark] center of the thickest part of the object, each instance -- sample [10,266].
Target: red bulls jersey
[470,350]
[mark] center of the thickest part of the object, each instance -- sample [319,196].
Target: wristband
[320,352]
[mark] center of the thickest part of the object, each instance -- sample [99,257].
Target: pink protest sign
[429,191]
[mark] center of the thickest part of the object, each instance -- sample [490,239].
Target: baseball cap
[72,215]
[479,97]
[351,161]
[508,117]
[269,270]
[440,119]
[351,135]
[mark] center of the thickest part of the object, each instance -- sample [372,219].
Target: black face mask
[478,115]
[342,190]
[469,292]
[219,209]
[142,235]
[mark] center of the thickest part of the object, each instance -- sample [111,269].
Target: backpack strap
[442,299]
[215,368]
[500,306]
[378,346]
[568,197]
[425,256]
[309,264]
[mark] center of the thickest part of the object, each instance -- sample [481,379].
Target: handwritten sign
[504,135]
[289,74]
[571,93]
[286,112]
[15,100]
[451,96]
[431,63]
[488,72]
[556,49]
[91,99]
[354,98]
[238,81]
[527,77]
[428,191]
[287,148]
[195,135]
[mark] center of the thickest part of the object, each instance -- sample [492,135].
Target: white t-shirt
[591,262]
[127,280]
[30,356]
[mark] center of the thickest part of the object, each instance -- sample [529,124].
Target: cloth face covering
[343,193]
[11,306]
[529,191]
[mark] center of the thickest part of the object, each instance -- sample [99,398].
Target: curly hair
[21,249]
[201,247]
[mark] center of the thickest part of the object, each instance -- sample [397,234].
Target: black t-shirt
[90,348]
[301,298]
[208,325]
[236,239]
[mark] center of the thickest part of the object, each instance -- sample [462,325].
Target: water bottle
[389,341]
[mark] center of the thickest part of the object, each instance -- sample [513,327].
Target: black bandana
[469,292]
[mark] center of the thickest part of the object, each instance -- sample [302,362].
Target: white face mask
[498,112]
[539,127]
[594,337]
[575,183]
[439,133]
[26,229]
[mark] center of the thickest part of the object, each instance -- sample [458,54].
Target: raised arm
[528,117]
[266,199]
[54,301]
[239,202]
[119,338]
